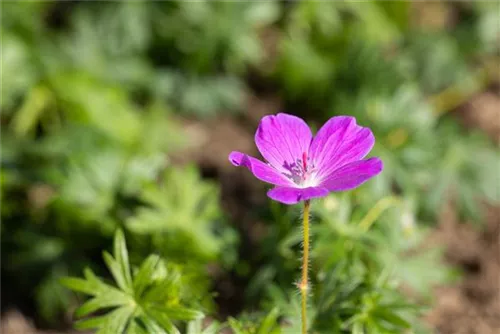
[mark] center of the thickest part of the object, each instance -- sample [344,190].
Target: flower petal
[261,170]
[339,142]
[290,195]
[352,175]
[282,139]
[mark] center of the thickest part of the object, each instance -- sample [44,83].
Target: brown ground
[473,305]
[483,111]
[13,322]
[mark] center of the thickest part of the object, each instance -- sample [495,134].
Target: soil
[473,305]
[483,111]
[13,322]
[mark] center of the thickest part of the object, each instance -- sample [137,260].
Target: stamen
[300,170]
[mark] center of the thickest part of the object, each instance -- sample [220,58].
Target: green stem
[375,212]
[455,95]
[304,284]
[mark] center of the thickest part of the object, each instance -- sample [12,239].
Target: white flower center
[302,172]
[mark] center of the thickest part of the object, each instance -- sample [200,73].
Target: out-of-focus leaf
[269,323]
[304,69]
[18,75]
[31,111]
[105,107]
[179,212]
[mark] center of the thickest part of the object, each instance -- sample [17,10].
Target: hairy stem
[304,284]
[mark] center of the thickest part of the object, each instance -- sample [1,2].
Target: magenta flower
[302,167]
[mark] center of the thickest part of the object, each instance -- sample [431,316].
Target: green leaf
[163,289]
[121,256]
[398,12]
[92,323]
[112,322]
[180,214]
[139,305]
[163,321]
[179,312]
[150,325]
[213,328]
[109,298]
[135,328]
[117,321]
[26,119]
[194,327]
[391,317]
[93,279]
[143,277]
[19,73]
[357,328]
[269,322]
[236,326]
[78,284]
[117,272]
[104,106]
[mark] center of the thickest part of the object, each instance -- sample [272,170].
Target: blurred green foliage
[90,94]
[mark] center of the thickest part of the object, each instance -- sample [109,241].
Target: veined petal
[261,170]
[339,142]
[352,175]
[282,139]
[290,195]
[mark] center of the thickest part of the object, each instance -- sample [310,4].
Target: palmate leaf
[180,214]
[254,324]
[148,302]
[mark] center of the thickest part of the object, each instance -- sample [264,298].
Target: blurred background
[122,115]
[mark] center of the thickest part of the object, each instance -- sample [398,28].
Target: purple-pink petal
[352,175]
[339,142]
[302,167]
[290,195]
[261,170]
[282,139]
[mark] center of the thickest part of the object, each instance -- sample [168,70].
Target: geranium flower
[302,167]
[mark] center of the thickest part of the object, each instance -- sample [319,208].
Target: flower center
[301,171]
